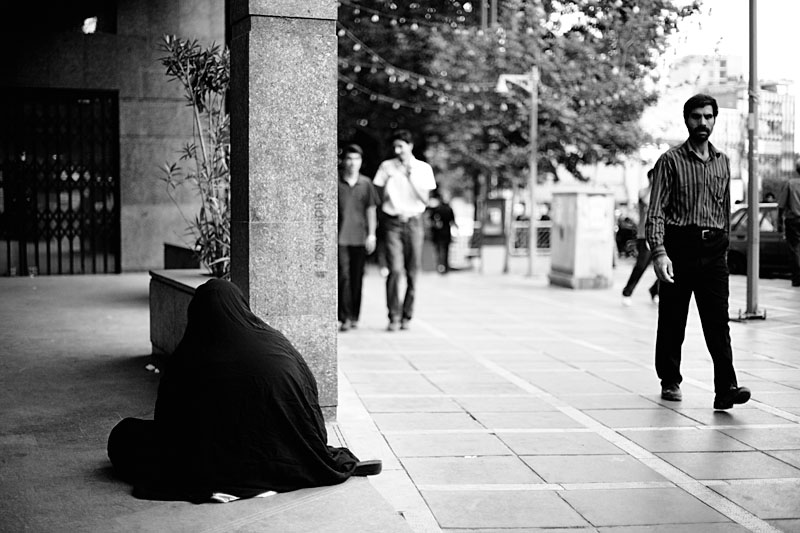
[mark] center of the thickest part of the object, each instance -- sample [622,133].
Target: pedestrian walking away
[442,221]
[643,255]
[687,229]
[789,209]
[358,202]
[404,184]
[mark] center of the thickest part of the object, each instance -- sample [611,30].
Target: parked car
[773,248]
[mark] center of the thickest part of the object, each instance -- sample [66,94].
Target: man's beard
[697,134]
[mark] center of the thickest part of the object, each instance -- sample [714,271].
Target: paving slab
[501,509]
[685,440]
[769,500]
[640,507]
[767,439]
[526,420]
[446,444]
[730,465]
[560,443]
[626,418]
[482,470]
[591,469]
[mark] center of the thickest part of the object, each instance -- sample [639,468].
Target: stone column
[283,175]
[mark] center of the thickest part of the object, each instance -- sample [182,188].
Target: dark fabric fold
[237,411]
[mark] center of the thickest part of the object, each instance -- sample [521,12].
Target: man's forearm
[372,220]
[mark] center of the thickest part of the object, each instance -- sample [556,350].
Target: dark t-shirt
[353,204]
[441,218]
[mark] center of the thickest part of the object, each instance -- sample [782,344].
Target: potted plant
[204,168]
[204,163]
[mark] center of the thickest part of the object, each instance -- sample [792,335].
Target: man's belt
[401,218]
[704,234]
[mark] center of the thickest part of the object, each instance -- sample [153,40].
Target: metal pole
[532,164]
[493,15]
[484,8]
[752,185]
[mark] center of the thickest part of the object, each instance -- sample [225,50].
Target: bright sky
[723,28]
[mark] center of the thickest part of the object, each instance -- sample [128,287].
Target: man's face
[402,149]
[352,163]
[700,123]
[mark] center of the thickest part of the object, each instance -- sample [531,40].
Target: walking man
[442,220]
[404,184]
[789,207]
[357,221]
[687,229]
[643,255]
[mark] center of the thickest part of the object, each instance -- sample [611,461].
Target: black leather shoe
[671,393]
[368,468]
[726,400]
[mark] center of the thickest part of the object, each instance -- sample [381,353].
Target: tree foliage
[596,59]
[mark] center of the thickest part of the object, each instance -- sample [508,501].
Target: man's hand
[663,267]
[370,244]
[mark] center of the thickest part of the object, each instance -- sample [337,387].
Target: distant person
[237,414]
[769,198]
[643,255]
[404,184]
[789,209]
[687,229]
[442,221]
[357,225]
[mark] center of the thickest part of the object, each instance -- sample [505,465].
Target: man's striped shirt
[688,191]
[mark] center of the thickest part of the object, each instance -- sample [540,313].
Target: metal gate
[59,182]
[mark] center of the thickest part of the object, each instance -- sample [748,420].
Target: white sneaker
[627,301]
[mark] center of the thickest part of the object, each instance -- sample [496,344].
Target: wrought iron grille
[59,182]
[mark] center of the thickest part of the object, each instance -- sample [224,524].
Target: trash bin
[582,238]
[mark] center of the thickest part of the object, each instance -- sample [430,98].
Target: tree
[596,59]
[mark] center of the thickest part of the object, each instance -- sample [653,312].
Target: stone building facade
[90,117]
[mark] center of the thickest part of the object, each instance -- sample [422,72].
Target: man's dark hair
[402,135]
[699,100]
[353,149]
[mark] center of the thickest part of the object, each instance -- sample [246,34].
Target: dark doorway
[59,182]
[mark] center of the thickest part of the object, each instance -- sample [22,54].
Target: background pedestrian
[404,184]
[789,208]
[357,224]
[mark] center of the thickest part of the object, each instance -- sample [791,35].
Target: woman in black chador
[237,413]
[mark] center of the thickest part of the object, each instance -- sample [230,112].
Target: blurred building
[724,79]
[87,118]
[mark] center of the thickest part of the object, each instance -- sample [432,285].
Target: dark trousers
[351,277]
[442,254]
[643,257]
[792,231]
[404,240]
[699,268]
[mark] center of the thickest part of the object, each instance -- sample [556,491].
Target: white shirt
[397,180]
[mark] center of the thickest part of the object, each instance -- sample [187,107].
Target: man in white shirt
[404,184]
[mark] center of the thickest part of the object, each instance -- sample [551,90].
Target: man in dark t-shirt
[442,218]
[357,222]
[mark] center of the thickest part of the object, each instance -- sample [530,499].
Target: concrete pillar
[283,173]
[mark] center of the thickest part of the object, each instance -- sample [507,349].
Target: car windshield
[769,220]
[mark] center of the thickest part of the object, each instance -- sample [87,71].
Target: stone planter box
[170,294]
[181,257]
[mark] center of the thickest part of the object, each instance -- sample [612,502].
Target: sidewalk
[512,405]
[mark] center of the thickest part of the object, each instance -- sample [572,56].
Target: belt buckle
[705,234]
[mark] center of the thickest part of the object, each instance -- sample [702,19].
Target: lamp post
[530,83]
